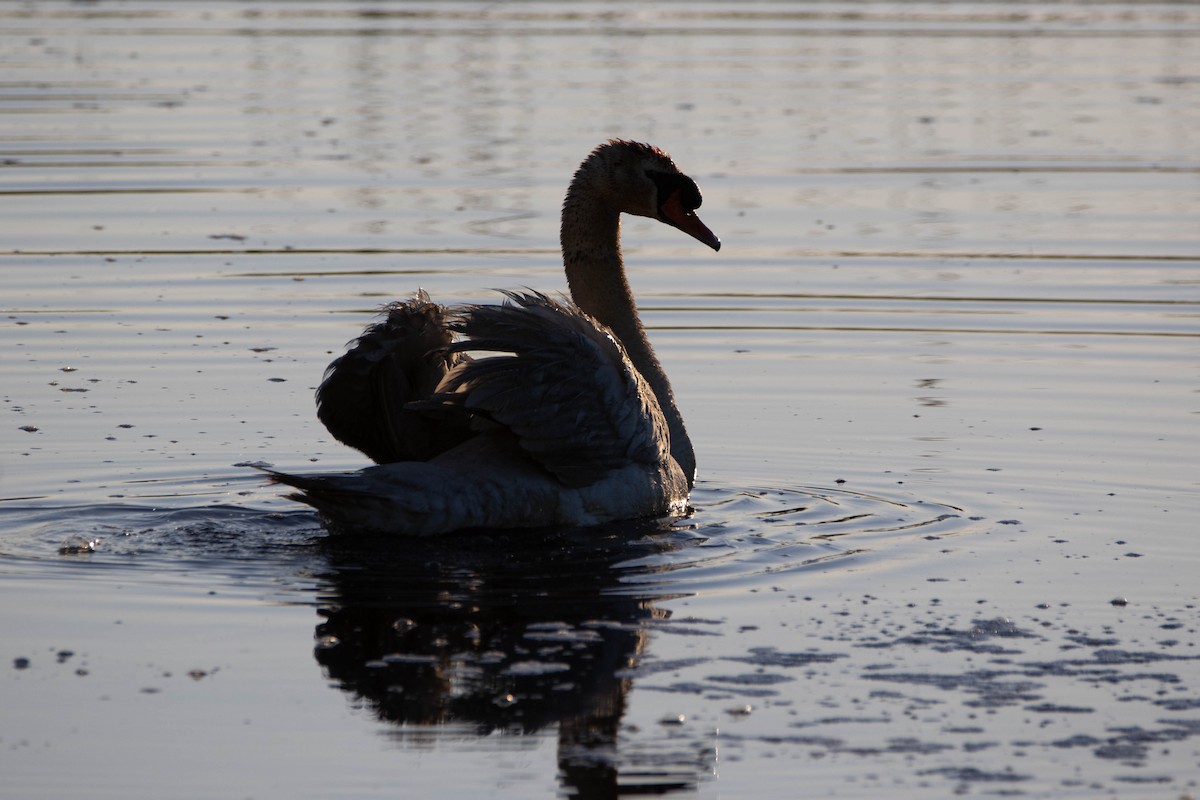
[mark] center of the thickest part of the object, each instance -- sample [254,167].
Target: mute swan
[570,420]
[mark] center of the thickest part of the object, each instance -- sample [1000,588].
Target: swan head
[642,180]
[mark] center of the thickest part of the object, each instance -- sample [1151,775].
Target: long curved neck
[591,247]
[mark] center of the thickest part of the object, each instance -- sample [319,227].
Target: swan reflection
[499,632]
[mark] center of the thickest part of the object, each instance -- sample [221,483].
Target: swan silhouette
[563,417]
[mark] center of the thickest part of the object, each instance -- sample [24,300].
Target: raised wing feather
[400,359]
[561,383]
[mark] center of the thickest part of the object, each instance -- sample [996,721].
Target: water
[941,380]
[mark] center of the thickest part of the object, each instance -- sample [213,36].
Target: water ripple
[738,536]
[734,537]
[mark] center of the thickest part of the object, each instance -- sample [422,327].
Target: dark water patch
[1179,703]
[752,679]
[1144,779]
[982,688]
[1082,640]
[934,674]
[976,775]
[1078,740]
[712,689]
[823,721]
[769,656]
[974,639]
[1056,708]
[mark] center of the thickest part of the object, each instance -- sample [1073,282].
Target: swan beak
[673,213]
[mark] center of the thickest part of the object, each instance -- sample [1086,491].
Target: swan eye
[668,183]
[691,194]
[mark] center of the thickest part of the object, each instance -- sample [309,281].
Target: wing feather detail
[365,394]
[561,382]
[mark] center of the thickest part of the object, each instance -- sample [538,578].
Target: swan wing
[561,383]
[399,359]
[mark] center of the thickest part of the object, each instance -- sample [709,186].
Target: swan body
[533,412]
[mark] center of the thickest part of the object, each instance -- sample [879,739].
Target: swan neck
[590,238]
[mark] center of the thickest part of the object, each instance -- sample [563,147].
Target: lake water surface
[943,380]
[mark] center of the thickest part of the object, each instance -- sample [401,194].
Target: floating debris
[78,545]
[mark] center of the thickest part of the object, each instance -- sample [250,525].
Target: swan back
[561,383]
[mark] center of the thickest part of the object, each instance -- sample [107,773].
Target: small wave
[740,535]
[734,536]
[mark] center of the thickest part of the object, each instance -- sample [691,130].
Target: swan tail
[357,502]
[421,499]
